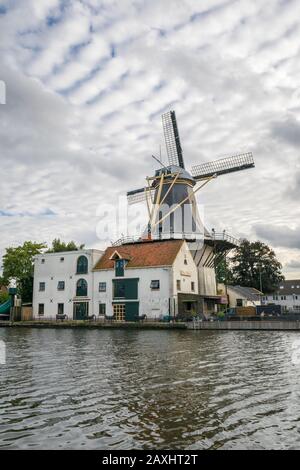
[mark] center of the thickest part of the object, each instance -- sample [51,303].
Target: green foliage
[221,315]
[3,297]
[254,264]
[18,266]
[223,272]
[58,246]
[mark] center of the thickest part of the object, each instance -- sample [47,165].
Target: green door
[131,311]
[81,310]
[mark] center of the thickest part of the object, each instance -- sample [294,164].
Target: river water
[118,389]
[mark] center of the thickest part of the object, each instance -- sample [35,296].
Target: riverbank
[91,324]
[273,325]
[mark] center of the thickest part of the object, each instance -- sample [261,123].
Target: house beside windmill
[240,296]
[144,278]
[126,282]
[63,284]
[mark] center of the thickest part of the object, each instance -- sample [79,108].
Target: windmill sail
[223,166]
[140,195]
[173,146]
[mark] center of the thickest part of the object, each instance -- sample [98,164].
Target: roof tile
[142,254]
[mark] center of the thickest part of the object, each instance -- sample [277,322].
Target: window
[42,286]
[102,286]
[281,287]
[60,309]
[119,267]
[185,260]
[119,290]
[283,297]
[178,284]
[61,285]
[193,286]
[82,265]
[62,260]
[81,288]
[102,309]
[125,288]
[43,261]
[155,285]
[239,302]
[41,310]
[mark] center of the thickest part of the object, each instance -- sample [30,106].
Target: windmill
[170,193]
[172,208]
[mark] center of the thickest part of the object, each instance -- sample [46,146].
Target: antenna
[153,156]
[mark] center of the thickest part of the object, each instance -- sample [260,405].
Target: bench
[61,316]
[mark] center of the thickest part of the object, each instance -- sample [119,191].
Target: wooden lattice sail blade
[173,146]
[223,166]
[140,195]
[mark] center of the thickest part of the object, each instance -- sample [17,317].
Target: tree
[223,271]
[58,246]
[4,296]
[18,265]
[254,264]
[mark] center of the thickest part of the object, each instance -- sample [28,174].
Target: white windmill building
[172,207]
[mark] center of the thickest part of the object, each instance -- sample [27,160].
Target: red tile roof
[142,254]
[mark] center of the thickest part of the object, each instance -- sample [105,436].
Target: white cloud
[87,81]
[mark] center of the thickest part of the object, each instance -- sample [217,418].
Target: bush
[3,297]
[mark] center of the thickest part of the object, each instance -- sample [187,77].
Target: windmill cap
[183,174]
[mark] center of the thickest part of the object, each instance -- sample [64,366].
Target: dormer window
[119,267]
[120,263]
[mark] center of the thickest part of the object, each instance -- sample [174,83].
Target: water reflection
[148,389]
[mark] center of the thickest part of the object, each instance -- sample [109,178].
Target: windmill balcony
[222,237]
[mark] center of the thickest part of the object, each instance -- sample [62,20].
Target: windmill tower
[172,207]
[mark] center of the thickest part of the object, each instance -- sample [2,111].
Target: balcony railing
[223,236]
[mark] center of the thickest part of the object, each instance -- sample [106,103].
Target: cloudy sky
[86,82]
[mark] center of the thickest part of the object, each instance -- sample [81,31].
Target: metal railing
[95,319]
[223,236]
[123,240]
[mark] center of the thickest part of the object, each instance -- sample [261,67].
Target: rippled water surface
[117,389]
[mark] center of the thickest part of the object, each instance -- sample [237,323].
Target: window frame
[103,305]
[61,288]
[43,308]
[158,284]
[104,285]
[79,289]
[42,283]
[82,265]
[59,305]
